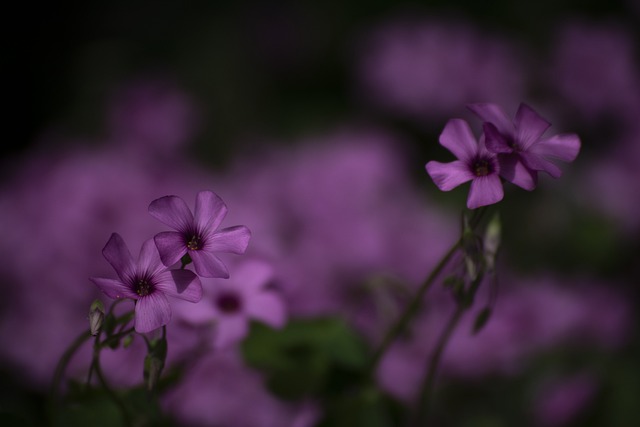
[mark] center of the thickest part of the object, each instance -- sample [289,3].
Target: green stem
[61,368]
[410,311]
[427,387]
[112,394]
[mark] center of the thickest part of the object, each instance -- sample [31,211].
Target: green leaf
[307,357]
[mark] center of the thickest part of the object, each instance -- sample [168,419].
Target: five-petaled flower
[475,163]
[521,149]
[197,234]
[230,305]
[147,281]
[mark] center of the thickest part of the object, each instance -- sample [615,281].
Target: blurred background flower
[313,121]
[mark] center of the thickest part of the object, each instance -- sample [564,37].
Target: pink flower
[230,305]
[197,234]
[147,282]
[522,151]
[474,164]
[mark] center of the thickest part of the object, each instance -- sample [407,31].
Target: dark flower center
[143,287]
[228,303]
[482,167]
[195,243]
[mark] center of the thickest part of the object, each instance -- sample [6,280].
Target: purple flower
[230,305]
[197,234]
[147,282]
[522,151]
[474,164]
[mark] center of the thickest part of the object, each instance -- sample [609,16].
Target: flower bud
[96,317]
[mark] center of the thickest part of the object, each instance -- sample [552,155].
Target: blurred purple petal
[492,113]
[495,141]
[208,265]
[485,190]
[458,138]
[233,240]
[529,126]
[268,308]
[564,147]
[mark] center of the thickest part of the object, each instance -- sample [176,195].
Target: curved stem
[427,386]
[401,324]
[61,368]
[112,394]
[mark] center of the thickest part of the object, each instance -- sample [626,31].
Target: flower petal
[539,163]
[210,210]
[485,190]
[514,171]
[448,176]
[492,113]
[118,255]
[113,288]
[252,276]
[495,141]
[564,147]
[152,311]
[149,259]
[172,211]
[529,126]
[268,308]
[183,284]
[208,265]
[458,138]
[232,239]
[230,330]
[171,246]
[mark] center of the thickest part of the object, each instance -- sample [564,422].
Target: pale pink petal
[118,255]
[149,259]
[210,211]
[208,265]
[485,190]
[171,246]
[233,240]
[230,330]
[268,308]
[492,113]
[448,176]
[114,288]
[152,311]
[529,126]
[514,171]
[458,138]
[172,211]
[183,284]
[564,147]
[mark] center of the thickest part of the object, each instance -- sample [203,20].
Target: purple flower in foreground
[522,151]
[197,234]
[230,305]
[147,282]
[474,164]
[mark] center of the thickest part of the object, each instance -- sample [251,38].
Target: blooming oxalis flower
[475,163]
[197,234]
[146,281]
[521,149]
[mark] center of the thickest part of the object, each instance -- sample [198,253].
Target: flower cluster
[149,279]
[513,150]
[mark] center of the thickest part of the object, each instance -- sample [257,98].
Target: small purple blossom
[146,281]
[521,149]
[474,164]
[197,234]
[230,305]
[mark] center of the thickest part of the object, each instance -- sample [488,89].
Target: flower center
[482,167]
[143,287]
[228,303]
[195,243]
